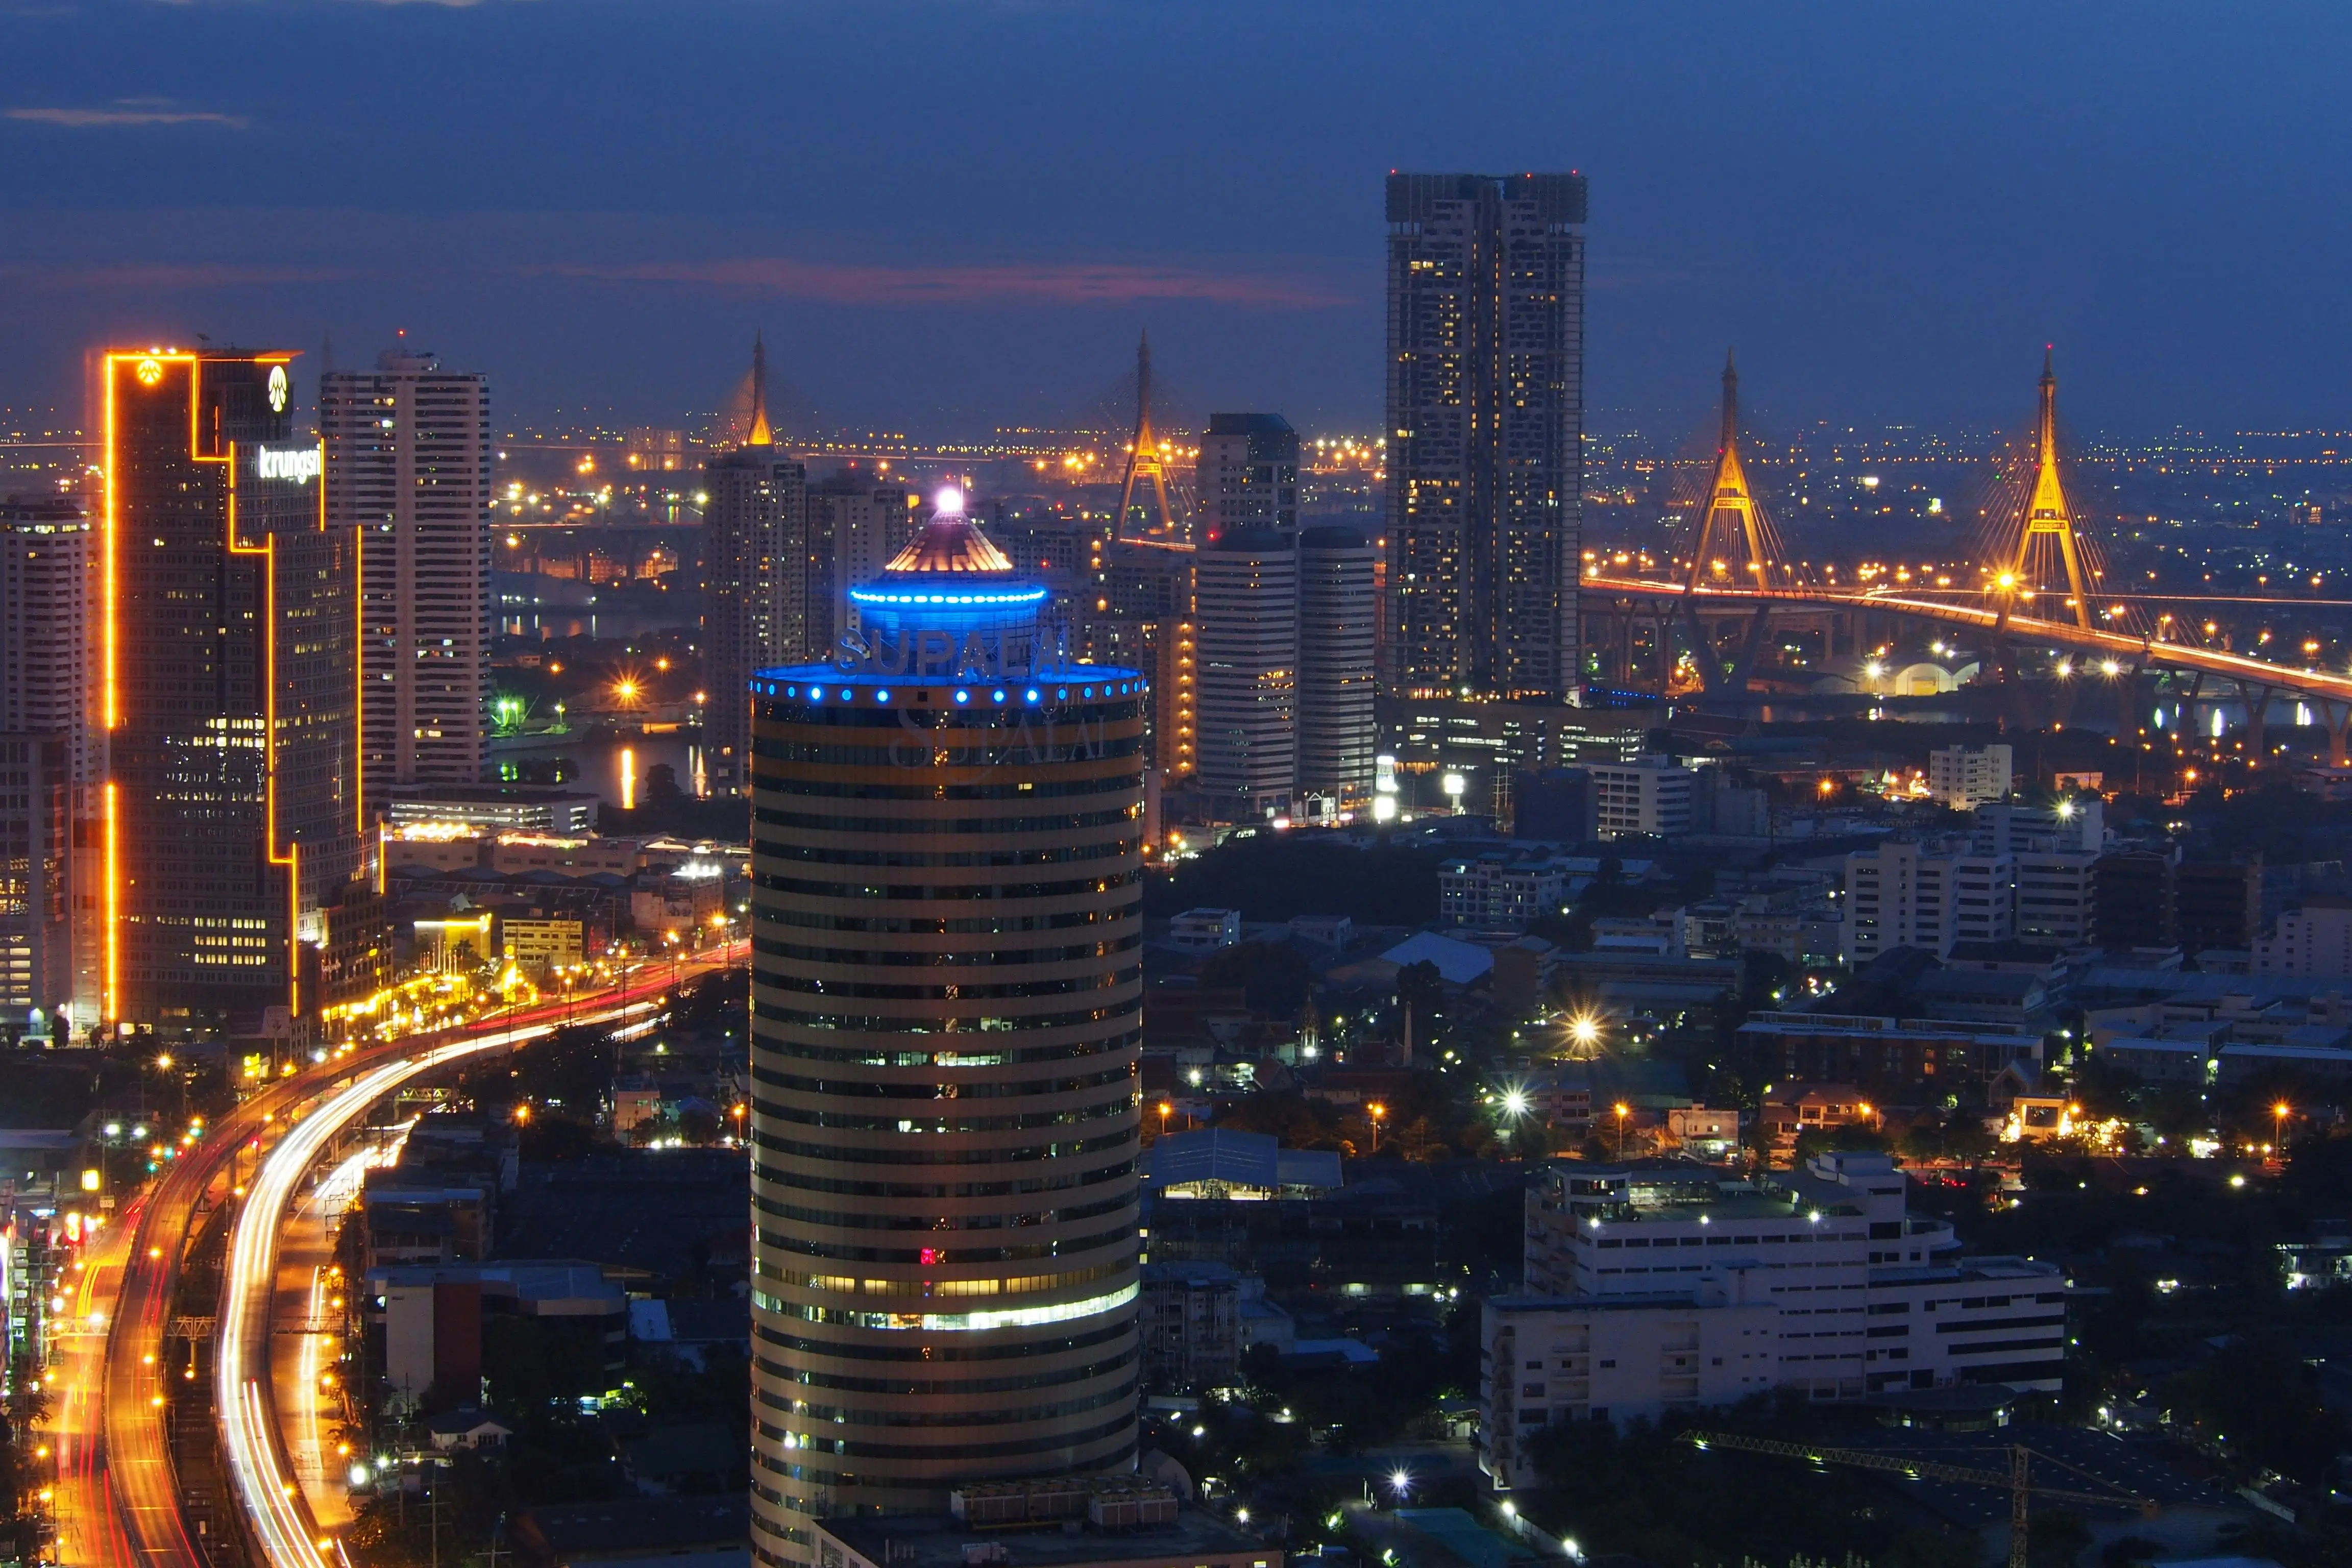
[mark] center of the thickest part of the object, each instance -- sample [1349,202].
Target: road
[77,1381]
[257,1445]
[117,1485]
[306,1317]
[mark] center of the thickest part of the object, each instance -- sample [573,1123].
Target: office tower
[1248,475]
[229,658]
[1486,404]
[754,578]
[1247,585]
[945,1031]
[408,466]
[1339,671]
[54,756]
[856,522]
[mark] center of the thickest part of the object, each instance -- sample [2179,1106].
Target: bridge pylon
[1144,461]
[2048,514]
[1730,511]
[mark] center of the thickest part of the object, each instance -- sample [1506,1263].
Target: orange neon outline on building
[110,637]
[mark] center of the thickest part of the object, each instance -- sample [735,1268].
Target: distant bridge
[1739,577]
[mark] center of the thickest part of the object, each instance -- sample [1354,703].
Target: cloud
[1044,283]
[128,111]
[168,277]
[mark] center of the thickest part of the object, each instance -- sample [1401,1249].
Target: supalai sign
[1010,653]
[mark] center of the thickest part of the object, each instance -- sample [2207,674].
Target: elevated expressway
[120,1504]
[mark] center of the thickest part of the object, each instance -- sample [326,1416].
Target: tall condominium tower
[1485,404]
[856,522]
[945,1029]
[754,577]
[50,755]
[229,639]
[408,469]
[1339,670]
[1248,474]
[1248,673]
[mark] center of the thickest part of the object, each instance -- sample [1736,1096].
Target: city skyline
[1898,270]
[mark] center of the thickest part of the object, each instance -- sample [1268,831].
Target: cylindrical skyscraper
[945,1026]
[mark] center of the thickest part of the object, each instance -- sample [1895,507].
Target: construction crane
[2018,1479]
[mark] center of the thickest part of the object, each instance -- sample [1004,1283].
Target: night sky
[950,215]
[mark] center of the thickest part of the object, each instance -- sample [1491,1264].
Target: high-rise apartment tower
[1248,692]
[1338,668]
[754,578]
[945,1029]
[1248,475]
[229,662]
[408,468]
[1486,406]
[51,758]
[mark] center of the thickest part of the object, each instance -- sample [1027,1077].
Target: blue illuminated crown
[948,600]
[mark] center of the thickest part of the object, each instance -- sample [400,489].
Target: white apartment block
[1651,795]
[1965,777]
[1901,895]
[1496,892]
[408,465]
[1694,1285]
[2314,943]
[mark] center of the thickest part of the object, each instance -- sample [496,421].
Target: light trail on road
[275,1510]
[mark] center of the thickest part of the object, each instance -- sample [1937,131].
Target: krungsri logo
[299,464]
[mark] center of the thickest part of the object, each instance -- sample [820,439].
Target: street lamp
[1624,1111]
[1378,1113]
[2279,1113]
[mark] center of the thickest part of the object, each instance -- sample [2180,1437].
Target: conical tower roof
[950,543]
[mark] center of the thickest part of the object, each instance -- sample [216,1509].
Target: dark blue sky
[949,213]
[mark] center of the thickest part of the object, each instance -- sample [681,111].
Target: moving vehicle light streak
[276,1512]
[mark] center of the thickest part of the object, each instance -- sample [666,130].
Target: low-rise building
[1204,930]
[1898,1056]
[1083,1521]
[2313,941]
[1500,891]
[1965,777]
[1190,1324]
[1691,1284]
[1650,796]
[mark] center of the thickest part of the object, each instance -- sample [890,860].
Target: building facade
[754,590]
[50,716]
[1248,696]
[856,522]
[1339,664]
[1650,796]
[945,1037]
[1486,422]
[232,802]
[37,882]
[1965,777]
[408,474]
[1247,475]
[1817,1281]
[1902,894]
